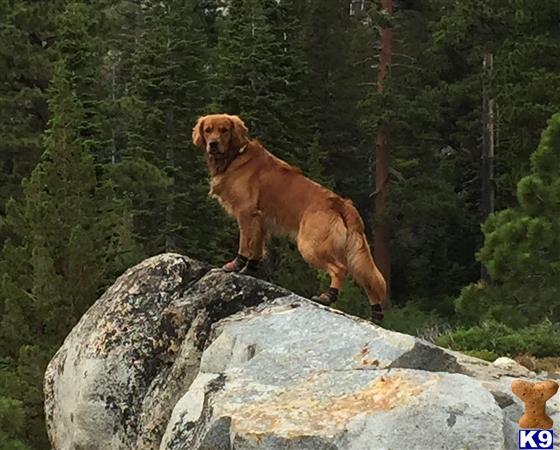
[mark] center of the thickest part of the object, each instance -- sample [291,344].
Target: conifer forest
[440,119]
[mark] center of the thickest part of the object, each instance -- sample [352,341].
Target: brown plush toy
[535,396]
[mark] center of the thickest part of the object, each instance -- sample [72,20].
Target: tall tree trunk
[113,101]
[487,199]
[382,232]
[170,243]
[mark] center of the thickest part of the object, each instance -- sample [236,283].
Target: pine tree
[263,73]
[522,247]
[337,47]
[27,33]
[524,42]
[382,253]
[67,240]
[81,42]
[168,90]
[428,202]
[11,424]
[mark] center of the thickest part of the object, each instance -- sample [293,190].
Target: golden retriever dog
[268,196]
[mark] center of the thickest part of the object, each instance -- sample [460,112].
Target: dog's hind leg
[317,243]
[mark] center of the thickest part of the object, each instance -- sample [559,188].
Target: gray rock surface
[115,380]
[175,356]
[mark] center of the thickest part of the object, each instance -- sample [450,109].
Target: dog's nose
[214,146]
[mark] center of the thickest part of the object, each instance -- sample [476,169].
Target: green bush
[411,319]
[352,299]
[11,422]
[495,338]
[483,354]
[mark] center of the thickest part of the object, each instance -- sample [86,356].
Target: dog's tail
[360,262]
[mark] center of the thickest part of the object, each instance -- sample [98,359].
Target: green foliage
[262,71]
[290,270]
[482,354]
[339,53]
[429,210]
[353,300]
[522,247]
[525,46]
[11,424]
[170,88]
[67,239]
[27,31]
[494,338]
[411,319]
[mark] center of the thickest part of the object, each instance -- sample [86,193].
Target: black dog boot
[236,265]
[327,298]
[377,314]
[251,268]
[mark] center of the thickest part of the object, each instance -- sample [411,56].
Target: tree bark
[382,253]
[487,199]
[170,242]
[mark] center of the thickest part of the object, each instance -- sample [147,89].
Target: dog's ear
[198,133]
[239,134]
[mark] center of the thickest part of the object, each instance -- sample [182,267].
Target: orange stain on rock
[307,408]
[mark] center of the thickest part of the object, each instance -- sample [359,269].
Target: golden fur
[268,196]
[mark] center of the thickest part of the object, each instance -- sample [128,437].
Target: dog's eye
[208,130]
[224,130]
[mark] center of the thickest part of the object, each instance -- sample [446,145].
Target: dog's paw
[235,265]
[326,298]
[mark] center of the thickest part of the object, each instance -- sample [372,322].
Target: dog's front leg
[251,242]
[251,234]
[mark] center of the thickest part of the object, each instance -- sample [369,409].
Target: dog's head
[219,134]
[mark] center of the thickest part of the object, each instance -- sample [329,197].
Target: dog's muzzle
[214,148]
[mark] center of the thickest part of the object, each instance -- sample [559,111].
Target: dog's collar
[220,164]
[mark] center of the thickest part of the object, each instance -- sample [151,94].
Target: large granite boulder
[175,356]
[115,380]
